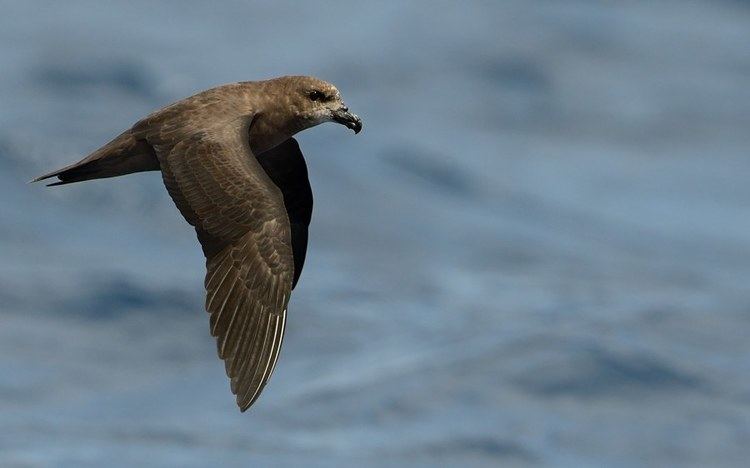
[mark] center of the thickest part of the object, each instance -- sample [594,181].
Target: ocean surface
[536,253]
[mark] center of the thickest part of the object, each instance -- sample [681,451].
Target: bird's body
[229,162]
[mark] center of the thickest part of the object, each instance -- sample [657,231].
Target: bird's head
[315,101]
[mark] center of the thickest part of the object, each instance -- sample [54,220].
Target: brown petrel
[229,162]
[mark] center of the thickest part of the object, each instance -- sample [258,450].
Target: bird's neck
[269,129]
[274,120]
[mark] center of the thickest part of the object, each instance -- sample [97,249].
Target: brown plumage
[229,162]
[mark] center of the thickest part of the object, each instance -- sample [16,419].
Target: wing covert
[239,215]
[286,167]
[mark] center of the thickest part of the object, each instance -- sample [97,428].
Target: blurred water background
[537,252]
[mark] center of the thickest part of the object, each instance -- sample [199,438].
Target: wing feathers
[255,384]
[286,167]
[241,221]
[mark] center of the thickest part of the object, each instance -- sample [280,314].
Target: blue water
[536,253]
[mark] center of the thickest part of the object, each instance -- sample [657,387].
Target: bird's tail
[123,155]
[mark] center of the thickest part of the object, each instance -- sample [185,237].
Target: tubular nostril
[345,109]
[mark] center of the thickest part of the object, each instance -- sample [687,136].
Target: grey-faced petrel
[230,164]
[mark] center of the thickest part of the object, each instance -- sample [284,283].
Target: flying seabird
[229,162]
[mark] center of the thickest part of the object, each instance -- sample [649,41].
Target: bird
[229,161]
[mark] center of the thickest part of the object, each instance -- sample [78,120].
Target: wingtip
[48,176]
[243,407]
[43,177]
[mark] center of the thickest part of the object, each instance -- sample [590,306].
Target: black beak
[344,117]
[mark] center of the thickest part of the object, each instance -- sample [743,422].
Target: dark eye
[316,95]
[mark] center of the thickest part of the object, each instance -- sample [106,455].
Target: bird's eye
[316,95]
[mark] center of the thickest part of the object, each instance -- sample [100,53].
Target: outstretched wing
[239,215]
[286,167]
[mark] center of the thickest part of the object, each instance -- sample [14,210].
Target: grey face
[323,103]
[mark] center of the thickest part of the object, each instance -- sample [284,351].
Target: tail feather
[123,155]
